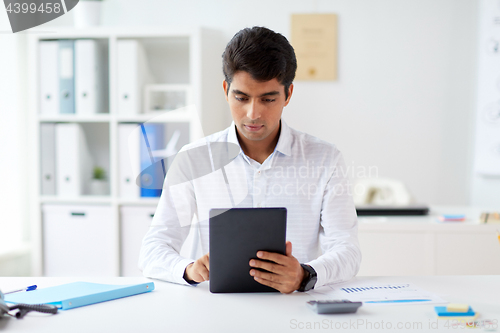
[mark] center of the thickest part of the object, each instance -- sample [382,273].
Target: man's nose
[254,111]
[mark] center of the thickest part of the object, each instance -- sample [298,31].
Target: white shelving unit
[176,57]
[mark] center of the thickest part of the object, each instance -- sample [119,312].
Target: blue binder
[67,76]
[153,169]
[76,294]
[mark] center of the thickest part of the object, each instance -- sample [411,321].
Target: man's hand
[198,270]
[285,273]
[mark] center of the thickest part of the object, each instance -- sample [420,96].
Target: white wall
[404,101]
[486,189]
[13,170]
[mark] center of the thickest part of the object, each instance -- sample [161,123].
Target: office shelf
[71,118]
[189,57]
[138,202]
[84,199]
[172,116]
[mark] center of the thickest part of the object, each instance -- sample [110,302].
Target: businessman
[277,166]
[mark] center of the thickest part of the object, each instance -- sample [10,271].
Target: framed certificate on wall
[314,38]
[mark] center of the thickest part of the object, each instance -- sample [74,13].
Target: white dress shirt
[304,174]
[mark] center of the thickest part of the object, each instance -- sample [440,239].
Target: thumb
[207,261]
[288,248]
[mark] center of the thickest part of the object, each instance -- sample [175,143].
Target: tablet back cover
[235,237]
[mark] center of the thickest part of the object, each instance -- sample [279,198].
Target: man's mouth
[253,128]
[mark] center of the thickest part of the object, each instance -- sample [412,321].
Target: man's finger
[206,261]
[197,278]
[288,248]
[204,273]
[268,283]
[268,266]
[267,276]
[276,257]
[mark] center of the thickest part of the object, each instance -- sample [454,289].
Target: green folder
[76,294]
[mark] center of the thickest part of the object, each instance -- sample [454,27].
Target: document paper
[377,294]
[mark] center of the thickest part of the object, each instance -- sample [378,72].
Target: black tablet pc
[235,237]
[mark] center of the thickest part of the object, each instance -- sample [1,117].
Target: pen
[400,301]
[33,287]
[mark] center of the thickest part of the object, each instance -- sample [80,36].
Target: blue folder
[76,294]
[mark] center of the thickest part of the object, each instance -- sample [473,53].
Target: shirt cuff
[320,273]
[179,270]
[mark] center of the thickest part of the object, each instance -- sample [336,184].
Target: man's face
[256,106]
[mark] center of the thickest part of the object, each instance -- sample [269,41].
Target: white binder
[132,74]
[89,77]
[129,160]
[73,161]
[48,158]
[49,77]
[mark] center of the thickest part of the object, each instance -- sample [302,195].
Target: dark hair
[262,53]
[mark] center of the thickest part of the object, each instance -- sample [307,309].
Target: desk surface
[176,308]
[431,221]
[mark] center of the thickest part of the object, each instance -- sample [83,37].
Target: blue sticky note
[442,312]
[453,217]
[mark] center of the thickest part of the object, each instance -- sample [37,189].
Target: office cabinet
[135,221]
[467,254]
[421,245]
[79,240]
[396,254]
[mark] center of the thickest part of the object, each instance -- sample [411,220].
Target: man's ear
[225,85]
[290,91]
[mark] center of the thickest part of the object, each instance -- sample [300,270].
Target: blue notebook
[76,294]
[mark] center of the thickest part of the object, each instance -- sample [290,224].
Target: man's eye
[268,100]
[240,99]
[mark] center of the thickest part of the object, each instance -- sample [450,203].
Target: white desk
[176,308]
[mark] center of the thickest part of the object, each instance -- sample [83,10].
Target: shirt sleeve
[159,256]
[338,235]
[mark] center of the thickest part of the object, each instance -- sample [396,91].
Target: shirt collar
[284,144]
[231,135]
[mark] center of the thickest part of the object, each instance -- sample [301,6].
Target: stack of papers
[452,218]
[464,315]
[376,294]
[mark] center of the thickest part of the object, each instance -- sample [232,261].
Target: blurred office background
[404,101]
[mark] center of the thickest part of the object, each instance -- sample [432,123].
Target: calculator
[334,306]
